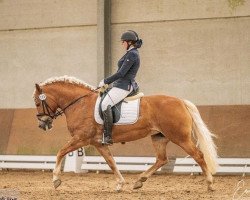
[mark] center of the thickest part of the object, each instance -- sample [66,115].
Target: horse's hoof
[119,187]
[210,188]
[137,185]
[143,179]
[57,183]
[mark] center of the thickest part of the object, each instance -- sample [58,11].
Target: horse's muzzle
[45,123]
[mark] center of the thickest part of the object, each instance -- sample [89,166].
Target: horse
[163,118]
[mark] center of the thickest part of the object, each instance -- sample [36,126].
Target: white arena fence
[78,162]
[226,166]
[179,165]
[123,163]
[27,162]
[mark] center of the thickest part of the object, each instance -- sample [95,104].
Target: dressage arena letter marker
[74,161]
[80,152]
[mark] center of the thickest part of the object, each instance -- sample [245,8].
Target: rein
[60,112]
[47,108]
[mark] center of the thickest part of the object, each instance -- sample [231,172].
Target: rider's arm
[128,62]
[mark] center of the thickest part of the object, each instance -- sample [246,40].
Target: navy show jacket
[128,66]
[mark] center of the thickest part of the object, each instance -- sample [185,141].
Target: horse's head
[46,108]
[57,94]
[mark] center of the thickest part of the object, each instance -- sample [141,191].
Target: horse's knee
[162,161]
[59,155]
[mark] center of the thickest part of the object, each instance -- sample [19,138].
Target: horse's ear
[38,88]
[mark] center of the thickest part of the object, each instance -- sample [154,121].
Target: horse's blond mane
[67,79]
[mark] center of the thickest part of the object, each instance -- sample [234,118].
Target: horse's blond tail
[205,138]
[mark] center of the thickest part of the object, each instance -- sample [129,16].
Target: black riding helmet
[132,36]
[129,36]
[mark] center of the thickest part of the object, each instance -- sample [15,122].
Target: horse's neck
[84,105]
[66,94]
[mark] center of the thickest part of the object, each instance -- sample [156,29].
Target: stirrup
[107,141]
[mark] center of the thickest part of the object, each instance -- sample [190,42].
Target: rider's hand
[101,84]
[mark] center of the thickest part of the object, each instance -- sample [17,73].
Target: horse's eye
[37,102]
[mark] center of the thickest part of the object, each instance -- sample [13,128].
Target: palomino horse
[164,118]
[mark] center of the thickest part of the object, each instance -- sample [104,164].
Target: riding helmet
[129,36]
[132,36]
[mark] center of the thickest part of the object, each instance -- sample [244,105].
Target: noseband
[47,110]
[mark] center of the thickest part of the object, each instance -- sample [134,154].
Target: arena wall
[192,49]
[196,50]
[20,134]
[42,39]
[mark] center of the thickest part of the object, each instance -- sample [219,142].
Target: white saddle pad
[129,112]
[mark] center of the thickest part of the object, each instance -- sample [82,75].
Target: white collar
[131,47]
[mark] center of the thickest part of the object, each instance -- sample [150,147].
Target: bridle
[47,110]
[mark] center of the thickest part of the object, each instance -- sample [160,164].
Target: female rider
[123,81]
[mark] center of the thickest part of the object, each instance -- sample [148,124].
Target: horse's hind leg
[159,143]
[197,155]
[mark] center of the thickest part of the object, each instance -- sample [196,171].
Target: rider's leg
[114,96]
[108,124]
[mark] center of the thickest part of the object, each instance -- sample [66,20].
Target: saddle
[117,109]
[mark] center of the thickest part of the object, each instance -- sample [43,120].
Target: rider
[123,80]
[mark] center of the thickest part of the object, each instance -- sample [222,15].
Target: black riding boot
[108,123]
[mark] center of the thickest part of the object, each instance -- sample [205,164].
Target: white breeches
[114,96]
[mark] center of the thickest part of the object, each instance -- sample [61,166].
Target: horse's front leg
[74,144]
[105,152]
